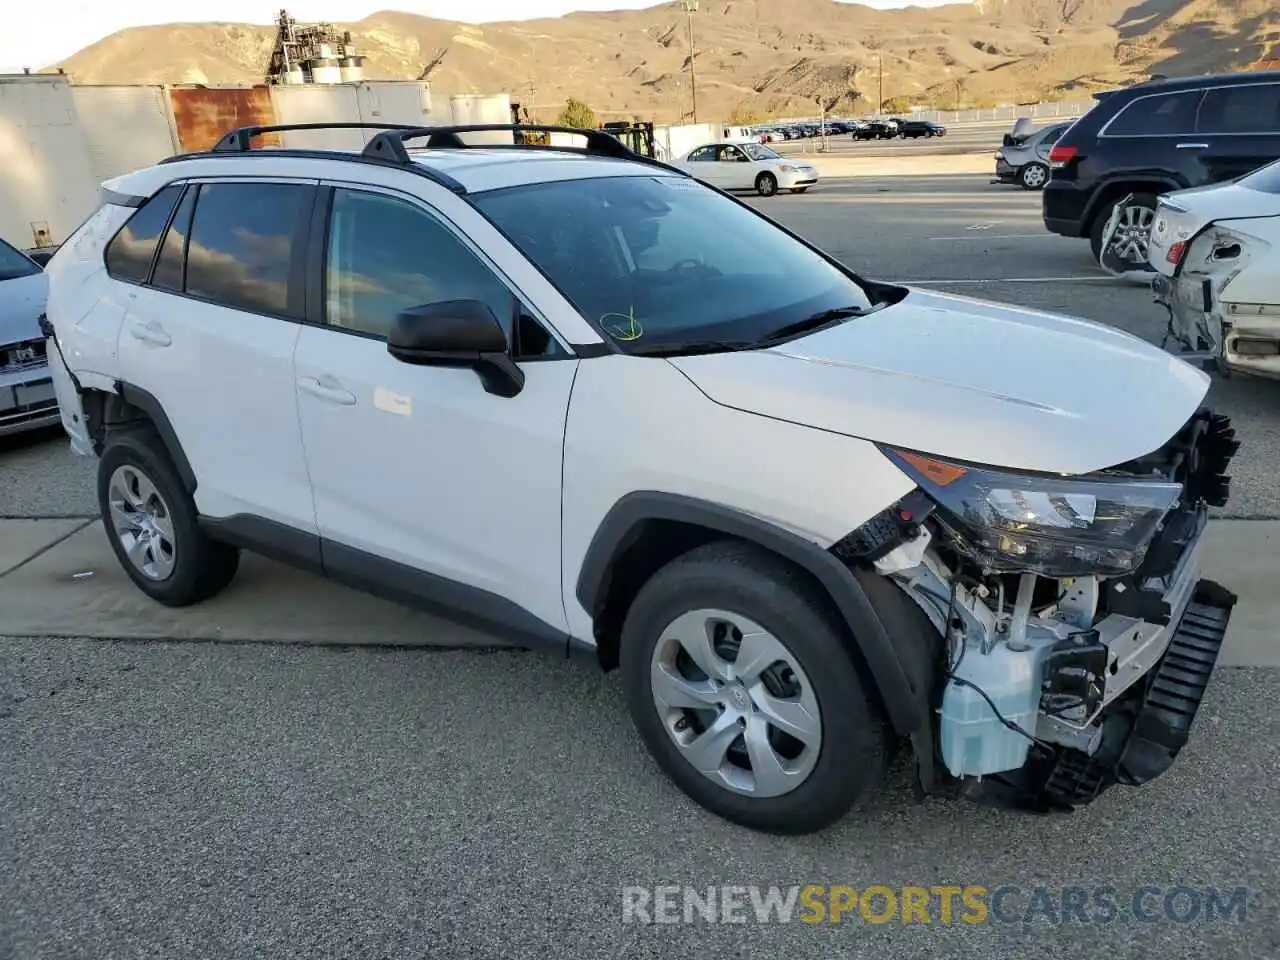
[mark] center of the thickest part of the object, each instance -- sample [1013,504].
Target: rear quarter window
[1163,114]
[130,252]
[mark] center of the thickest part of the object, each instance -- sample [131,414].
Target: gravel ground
[166,800]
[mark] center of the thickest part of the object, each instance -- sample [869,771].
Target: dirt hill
[754,57]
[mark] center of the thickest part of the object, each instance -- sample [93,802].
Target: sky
[64,26]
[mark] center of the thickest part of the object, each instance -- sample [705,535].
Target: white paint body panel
[429,470]
[740,175]
[816,484]
[971,380]
[226,383]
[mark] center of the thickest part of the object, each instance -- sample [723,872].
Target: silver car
[27,400]
[1024,157]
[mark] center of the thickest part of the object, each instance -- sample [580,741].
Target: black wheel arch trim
[1139,183]
[148,404]
[907,706]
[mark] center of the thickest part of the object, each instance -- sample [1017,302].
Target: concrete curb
[61,579]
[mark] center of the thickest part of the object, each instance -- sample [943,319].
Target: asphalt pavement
[210,799]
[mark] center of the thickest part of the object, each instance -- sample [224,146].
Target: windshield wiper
[677,348]
[810,323]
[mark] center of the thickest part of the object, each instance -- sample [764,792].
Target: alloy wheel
[1133,234]
[1034,176]
[736,703]
[141,521]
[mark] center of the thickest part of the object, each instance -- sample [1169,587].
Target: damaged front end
[1078,635]
[1223,296]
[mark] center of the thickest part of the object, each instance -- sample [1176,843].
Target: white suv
[578,397]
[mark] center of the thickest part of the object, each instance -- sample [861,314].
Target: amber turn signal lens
[939,471]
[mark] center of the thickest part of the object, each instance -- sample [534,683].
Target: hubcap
[736,703]
[1132,235]
[141,521]
[1033,177]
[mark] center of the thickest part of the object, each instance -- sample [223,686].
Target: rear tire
[152,523]
[758,777]
[1147,200]
[766,184]
[1033,176]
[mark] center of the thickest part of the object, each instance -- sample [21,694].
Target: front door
[733,170]
[418,465]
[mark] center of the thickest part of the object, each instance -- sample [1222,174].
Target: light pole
[880,98]
[690,8]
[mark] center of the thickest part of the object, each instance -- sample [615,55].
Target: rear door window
[245,238]
[1165,114]
[1252,108]
[130,252]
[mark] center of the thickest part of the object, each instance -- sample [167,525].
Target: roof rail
[600,143]
[241,139]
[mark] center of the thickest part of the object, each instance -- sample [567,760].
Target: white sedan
[748,166]
[1216,253]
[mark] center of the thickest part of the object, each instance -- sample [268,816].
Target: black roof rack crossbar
[600,143]
[240,139]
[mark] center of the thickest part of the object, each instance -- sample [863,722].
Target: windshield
[758,151]
[13,264]
[666,260]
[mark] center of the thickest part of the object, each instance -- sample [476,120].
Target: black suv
[1155,137]
[920,128]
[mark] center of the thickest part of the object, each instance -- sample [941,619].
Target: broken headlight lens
[1033,523]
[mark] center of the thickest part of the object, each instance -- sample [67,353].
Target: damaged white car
[583,400]
[1216,253]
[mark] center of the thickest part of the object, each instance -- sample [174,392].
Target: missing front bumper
[1142,734]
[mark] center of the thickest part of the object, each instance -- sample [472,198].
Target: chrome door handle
[149,333]
[1193,146]
[326,388]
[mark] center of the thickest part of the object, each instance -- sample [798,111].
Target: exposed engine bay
[1078,636]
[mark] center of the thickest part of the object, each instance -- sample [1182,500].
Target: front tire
[766,184]
[152,523]
[740,681]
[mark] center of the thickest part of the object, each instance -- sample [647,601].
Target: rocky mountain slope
[754,57]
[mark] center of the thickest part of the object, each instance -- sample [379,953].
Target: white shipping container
[318,104]
[397,101]
[673,142]
[47,184]
[474,108]
[125,128]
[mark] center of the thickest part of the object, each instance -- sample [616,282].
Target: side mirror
[457,333]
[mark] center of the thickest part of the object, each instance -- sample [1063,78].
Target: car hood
[22,301]
[968,380]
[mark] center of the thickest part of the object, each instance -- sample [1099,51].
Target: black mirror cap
[457,333]
[460,330]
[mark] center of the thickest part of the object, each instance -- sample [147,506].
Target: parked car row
[885,128]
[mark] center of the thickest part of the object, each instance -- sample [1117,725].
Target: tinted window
[1243,109]
[703,153]
[242,243]
[1166,114]
[13,264]
[386,255]
[665,259]
[1054,134]
[168,272]
[130,253]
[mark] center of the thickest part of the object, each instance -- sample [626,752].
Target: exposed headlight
[788,168]
[1035,523]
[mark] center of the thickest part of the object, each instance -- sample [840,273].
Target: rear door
[1155,136]
[702,164]
[1238,130]
[212,323]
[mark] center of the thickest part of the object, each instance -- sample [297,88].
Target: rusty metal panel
[204,114]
